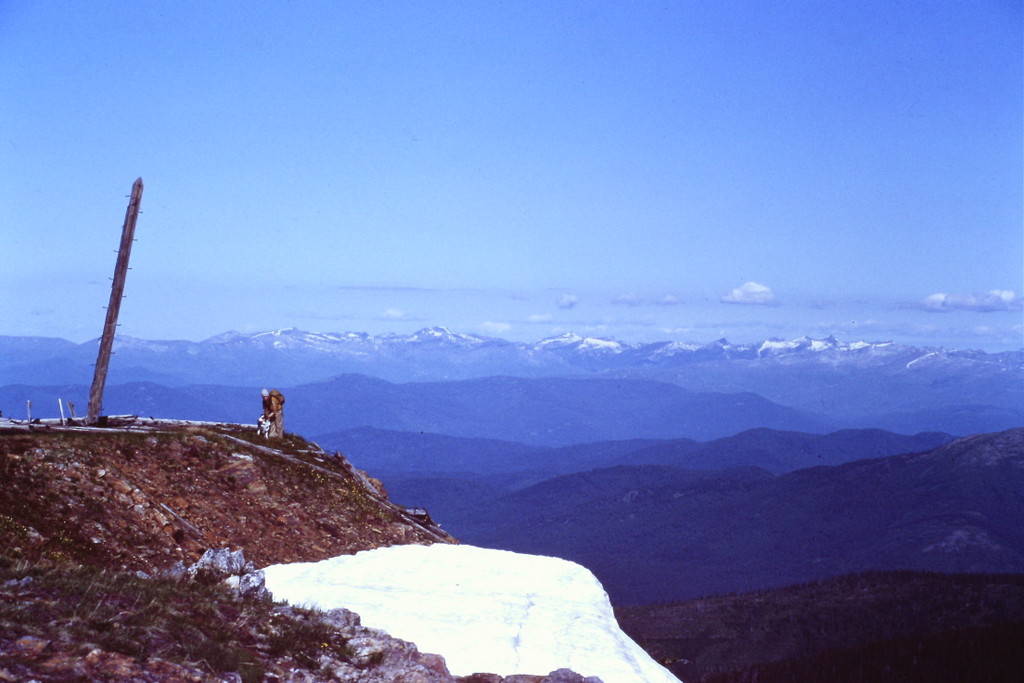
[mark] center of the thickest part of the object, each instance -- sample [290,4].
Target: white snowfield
[484,610]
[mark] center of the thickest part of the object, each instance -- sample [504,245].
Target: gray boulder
[218,564]
[230,566]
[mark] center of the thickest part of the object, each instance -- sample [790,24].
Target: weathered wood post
[99,377]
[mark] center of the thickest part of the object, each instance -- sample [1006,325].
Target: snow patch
[567,339]
[777,346]
[594,344]
[483,610]
[570,339]
[922,358]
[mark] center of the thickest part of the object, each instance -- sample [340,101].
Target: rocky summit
[152,493]
[129,552]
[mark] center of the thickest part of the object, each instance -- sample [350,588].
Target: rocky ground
[102,538]
[63,623]
[154,493]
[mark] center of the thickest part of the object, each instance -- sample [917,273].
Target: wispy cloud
[996,300]
[567,301]
[538,319]
[627,299]
[495,327]
[398,314]
[385,288]
[669,300]
[845,329]
[750,293]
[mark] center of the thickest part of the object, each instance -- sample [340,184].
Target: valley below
[757,512]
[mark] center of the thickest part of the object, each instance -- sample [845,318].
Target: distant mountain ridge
[389,454]
[654,533]
[858,384]
[550,411]
[421,356]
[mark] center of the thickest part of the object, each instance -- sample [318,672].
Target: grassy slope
[61,622]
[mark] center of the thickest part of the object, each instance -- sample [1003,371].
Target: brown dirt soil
[159,492]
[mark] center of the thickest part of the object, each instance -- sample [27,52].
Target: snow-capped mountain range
[825,377]
[362,345]
[349,342]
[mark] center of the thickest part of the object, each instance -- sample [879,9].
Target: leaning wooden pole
[99,378]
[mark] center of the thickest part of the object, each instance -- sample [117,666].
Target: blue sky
[640,171]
